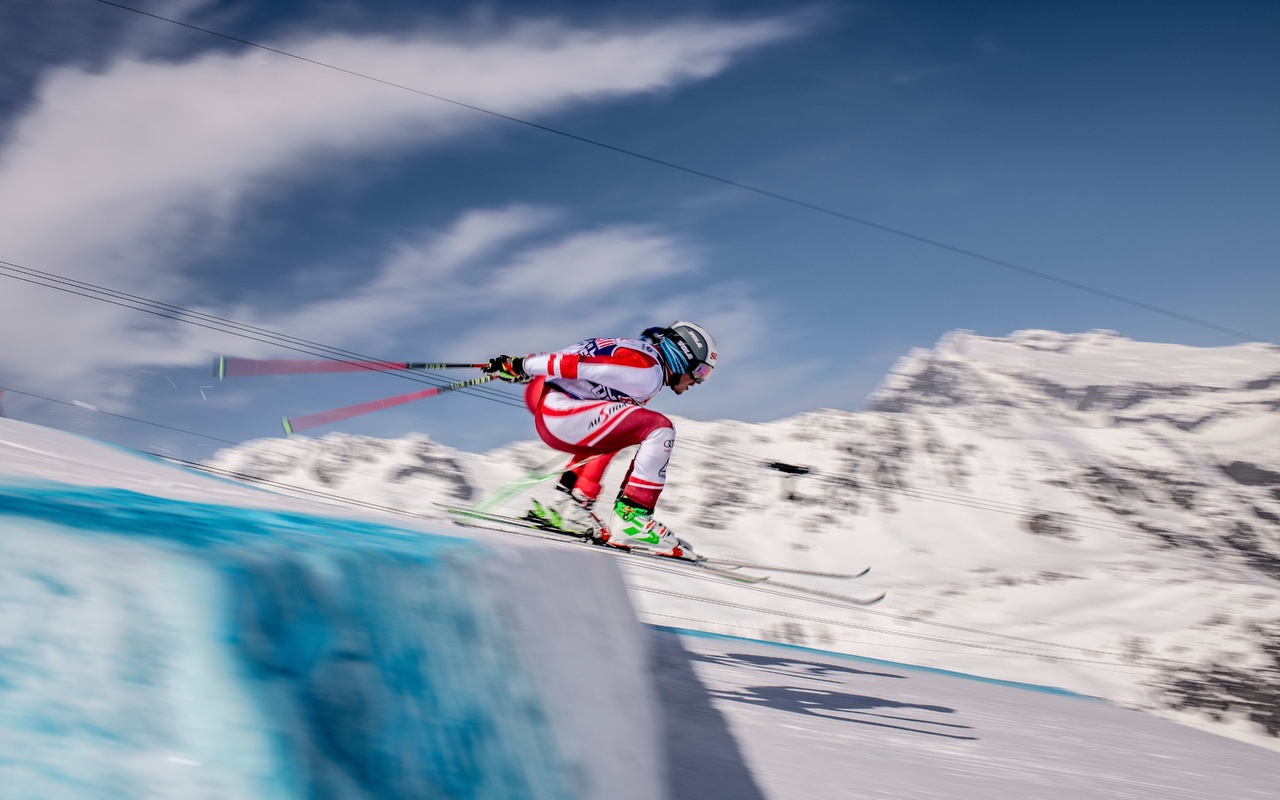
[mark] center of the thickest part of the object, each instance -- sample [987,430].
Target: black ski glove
[507,368]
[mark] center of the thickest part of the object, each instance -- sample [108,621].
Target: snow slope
[165,634]
[813,726]
[1073,510]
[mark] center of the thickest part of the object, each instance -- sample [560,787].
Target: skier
[588,400]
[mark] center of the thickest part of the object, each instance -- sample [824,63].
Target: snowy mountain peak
[1099,370]
[1120,499]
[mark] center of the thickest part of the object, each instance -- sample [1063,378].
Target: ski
[844,599]
[517,525]
[507,524]
[721,563]
[231,367]
[812,573]
[519,522]
[476,519]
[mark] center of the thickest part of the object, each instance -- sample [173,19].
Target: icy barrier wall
[153,647]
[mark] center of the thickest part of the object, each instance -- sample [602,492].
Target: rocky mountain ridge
[1077,510]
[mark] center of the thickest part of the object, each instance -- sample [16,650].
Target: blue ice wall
[153,647]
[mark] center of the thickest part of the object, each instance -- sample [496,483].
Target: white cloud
[421,279]
[603,265]
[495,276]
[114,176]
[514,276]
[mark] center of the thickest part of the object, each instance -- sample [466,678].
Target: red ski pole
[292,426]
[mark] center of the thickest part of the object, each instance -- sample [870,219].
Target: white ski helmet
[686,348]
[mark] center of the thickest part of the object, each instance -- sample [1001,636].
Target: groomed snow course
[165,634]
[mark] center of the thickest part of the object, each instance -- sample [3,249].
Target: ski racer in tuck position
[588,400]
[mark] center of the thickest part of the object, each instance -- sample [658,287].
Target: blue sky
[1130,147]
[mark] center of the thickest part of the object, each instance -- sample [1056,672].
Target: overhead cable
[50,280]
[815,207]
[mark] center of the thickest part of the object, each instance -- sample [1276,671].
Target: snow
[164,633]
[156,644]
[1073,510]
[816,726]
[1105,358]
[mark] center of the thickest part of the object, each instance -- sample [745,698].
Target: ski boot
[632,527]
[569,511]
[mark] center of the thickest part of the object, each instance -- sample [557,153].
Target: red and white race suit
[588,400]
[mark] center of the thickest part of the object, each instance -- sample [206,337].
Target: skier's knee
[655,423]
[663,436]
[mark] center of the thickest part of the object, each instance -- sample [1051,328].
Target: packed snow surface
[158,645]
[812,726]
[166,635]
[1041,537]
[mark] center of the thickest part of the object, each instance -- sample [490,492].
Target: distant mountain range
[1076,510]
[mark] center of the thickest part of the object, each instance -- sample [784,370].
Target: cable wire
[815,207]
[875,629]
[50,280]
[764,588]
[720,580]
[756,629]
[933,495]
[118,416]
[355,502]
[243,330]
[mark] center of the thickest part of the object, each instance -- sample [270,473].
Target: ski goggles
[701,372]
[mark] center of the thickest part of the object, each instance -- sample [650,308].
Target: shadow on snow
[828,703]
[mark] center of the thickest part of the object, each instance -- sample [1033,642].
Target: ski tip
[288,428]
[220,367]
